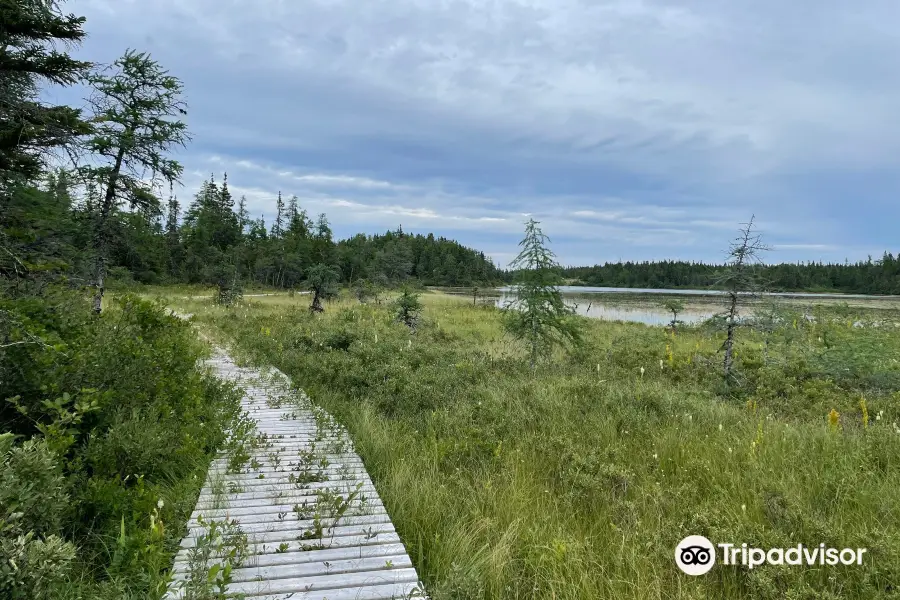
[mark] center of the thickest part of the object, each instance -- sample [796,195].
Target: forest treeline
[213,239]
[862,277]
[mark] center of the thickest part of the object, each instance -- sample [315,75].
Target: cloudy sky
[633,129]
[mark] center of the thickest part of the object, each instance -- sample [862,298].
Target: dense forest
[863,277]
[214,239]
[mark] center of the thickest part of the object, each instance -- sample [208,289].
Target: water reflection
[613,304]
[638,313]
[570,289]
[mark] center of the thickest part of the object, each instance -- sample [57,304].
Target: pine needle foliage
[538,316]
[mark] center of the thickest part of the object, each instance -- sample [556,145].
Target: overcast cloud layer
[632,129]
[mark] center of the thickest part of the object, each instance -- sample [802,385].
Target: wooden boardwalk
[299,508]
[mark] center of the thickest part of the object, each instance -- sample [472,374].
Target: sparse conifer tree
[538,314]
[136,105]
[674,306]
[740,281]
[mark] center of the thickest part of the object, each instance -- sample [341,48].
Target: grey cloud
[693,113]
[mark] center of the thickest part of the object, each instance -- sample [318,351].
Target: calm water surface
[598,307]
[619,304]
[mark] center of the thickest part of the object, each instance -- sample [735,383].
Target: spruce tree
[226,202]
[538,314]
[173,240]
[30,30]
[136,106]
[278,225]
[408,308]
[243,215]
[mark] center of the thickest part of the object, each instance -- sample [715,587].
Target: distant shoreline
[577,289]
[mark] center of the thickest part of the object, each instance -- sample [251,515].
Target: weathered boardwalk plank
[312,526]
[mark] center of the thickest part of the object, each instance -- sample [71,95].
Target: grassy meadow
[578,480]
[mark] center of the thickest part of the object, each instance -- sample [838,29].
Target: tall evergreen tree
[173,240]
[242,214]
[136,106]
[278,225]
[29,128]
[226,202]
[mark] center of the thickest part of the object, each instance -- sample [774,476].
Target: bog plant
[34,558]
[505,485]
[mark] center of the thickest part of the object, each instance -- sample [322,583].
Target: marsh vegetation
[578,479]
[527,452]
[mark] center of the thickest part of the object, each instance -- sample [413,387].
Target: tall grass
[579,480]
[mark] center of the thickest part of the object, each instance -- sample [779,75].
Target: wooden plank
[358,554]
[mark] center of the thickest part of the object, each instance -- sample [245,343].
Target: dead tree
[740,282]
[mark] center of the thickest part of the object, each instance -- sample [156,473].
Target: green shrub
[31,567]
[125,427]
[33,502]
[33,494]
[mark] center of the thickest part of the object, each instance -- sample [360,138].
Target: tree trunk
[99,276]
[729,343]
[729,334]
[316,305]
[109,199]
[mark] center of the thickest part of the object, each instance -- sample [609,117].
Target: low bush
[108,428]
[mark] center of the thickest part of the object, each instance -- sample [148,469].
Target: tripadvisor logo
[696,555]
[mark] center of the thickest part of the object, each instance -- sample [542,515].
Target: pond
[602,307]
[644,305]
[570,289]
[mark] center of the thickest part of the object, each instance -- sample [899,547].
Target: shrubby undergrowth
[578,481]
[107,432]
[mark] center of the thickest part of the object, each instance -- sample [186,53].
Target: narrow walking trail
[311,525]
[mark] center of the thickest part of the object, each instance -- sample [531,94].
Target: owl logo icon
[695,555]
